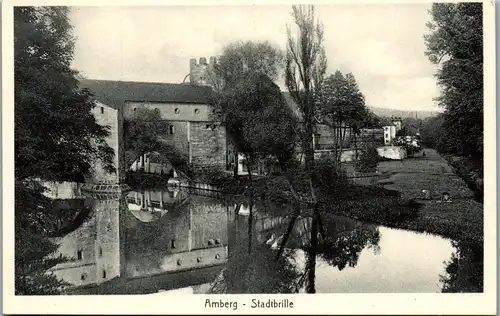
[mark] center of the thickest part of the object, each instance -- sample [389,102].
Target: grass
[461,219]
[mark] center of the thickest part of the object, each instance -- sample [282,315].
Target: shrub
[330,174]
[368,159]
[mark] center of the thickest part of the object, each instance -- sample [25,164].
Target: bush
[368,159]
[330,174]
[213,175]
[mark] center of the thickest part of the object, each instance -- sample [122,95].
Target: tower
[202,73]
[397,122]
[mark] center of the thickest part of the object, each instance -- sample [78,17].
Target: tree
[146,132]
[342,106]
[257,118]
[56,135]
[455,42]
[431,130]
[241,57]
[305,68]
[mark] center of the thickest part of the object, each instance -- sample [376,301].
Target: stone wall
[108,116]
[208,144]
[392,152]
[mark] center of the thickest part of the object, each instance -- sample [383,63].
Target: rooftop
[116,93]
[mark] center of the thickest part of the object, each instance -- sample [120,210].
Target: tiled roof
[116,93]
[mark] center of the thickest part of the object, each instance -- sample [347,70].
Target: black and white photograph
[176,153]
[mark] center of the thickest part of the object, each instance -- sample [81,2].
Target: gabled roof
[116,93]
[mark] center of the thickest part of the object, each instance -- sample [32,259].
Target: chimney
[203,61]
[192,62]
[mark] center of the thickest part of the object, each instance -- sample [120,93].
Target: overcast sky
[381,44]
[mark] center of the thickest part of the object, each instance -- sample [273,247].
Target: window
[100,252]
[172,244]
[83,277]
[207,126]
[179,262]
[171,129]
[177,111]
[135,109]
[103,274]
[102,110]
[79,255]
[196,111]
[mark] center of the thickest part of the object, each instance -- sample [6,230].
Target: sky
[381,44]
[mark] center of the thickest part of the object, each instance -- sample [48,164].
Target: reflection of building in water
[93,248]
[190,236]
[151,205]
[115,247]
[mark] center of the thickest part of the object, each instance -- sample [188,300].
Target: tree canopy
[56,134]
[248,56]
[455,42]
[341,104]
[257,118]
[305,69]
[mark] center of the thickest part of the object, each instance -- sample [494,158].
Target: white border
[411,304]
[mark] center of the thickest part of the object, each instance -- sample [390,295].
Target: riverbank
[460,219]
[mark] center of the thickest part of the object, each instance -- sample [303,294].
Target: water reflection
[173,241]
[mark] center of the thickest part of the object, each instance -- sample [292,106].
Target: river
[172,240]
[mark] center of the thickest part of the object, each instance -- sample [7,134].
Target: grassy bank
[461,219]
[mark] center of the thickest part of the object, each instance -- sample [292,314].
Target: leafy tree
[342,105]
[455,42]
[430,131]
[56,135]
[368,158]
[146,132]
[241,57]
[305,69]
[257,118]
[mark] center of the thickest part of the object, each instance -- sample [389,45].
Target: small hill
[382,112]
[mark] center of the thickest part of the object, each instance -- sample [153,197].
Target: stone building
[110,115]
[202,73]
[188,109]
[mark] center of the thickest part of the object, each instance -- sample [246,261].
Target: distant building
[398,122]
[389,134]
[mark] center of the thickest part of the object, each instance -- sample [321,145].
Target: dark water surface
[175,241]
